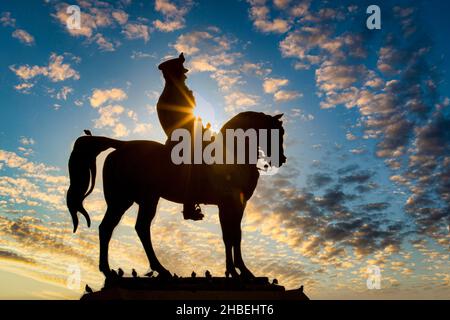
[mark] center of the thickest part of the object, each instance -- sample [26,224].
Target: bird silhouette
[88,289]
[121,273]
[208,274]
[193,274]
[114,273]
[149,274]
[301,288]
[88,132]
[175,276]
[134,273]
[275,281]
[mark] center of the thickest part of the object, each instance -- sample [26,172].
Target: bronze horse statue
[142,172]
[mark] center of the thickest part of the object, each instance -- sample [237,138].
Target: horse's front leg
[106,228]
[146,213]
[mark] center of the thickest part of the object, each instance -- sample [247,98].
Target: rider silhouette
[175,109]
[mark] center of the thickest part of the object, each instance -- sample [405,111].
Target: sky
[366,114]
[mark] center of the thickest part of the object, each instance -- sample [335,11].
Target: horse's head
[173,69]
[275,123]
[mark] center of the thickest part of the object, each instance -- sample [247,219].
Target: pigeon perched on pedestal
[149,274]
[208,274]
[88,289]
[275,281]
[134,273]
[88,132]
[193,274]
[121,273]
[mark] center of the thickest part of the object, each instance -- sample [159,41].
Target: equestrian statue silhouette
[142,172]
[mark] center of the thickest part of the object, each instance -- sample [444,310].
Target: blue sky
[366,118]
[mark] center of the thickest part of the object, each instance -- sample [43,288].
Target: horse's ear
[278,116]
[181,57]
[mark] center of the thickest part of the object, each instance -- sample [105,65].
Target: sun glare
[206,112]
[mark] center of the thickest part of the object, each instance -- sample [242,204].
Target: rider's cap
[173,64]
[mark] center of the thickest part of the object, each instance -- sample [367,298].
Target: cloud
[168,26]
[397,99]
[6,20]
[282,95]
[271,85]
[99,96]
[59,71]
[201,64]
[319,180]
[299,113]
[101,15]
[226,79]
[338,77]
[239,101]
[35,182]
[173,15]
[141,55]
[10,255]
[109,117]
[120,130]
[56,70]
[63,93]
[259,14]
[302,43]
[24,87]
[26,72]
[282,4]
[120,16]
[103,43]
[136,31]
[23,36]
[27,141]
[378,206]
[188,43]
[256,68]
[212,52]
[142,128]
[91,18]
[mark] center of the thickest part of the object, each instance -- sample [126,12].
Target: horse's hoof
[233,274]
[247,275]
[164,274]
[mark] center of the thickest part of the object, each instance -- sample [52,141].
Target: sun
[206,111]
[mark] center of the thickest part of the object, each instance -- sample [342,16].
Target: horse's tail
[82,172]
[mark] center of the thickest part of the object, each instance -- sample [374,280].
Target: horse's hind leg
[226,222]
[110,220]
[146,213]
